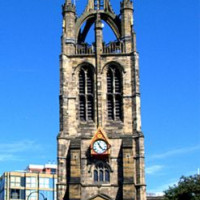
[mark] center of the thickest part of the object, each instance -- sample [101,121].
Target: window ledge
[102,184]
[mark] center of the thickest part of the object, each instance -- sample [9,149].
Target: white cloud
[18,146]
[159,191]
[13,151]
[154,169]
[176,152]
[9,157]
[155,194]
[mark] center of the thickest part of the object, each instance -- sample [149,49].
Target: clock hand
[100,146]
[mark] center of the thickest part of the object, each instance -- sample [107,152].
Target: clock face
[100,146]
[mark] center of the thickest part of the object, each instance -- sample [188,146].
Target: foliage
[188,188]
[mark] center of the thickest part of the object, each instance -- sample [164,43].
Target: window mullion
[113,81]
[104,178]
[86,96]
[113,107]
[113,94]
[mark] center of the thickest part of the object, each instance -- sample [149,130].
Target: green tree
[188,188]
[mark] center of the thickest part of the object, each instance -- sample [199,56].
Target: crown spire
[127,2]
[69,6]
[68,2]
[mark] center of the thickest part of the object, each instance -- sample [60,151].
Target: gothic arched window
[101,173]
[86,94]
[107,176]
[114,93]
[96,178]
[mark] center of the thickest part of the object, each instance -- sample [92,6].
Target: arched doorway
[100,197]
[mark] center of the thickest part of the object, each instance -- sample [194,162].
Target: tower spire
[126,1]
[68,2]
[69,6]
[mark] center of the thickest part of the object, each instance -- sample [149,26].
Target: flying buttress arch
[113,21]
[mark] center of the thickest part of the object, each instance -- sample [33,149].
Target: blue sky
[168,40]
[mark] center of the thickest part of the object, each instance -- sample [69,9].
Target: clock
[100,146]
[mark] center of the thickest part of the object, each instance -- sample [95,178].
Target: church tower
[100,143]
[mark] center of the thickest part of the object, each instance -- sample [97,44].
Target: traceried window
[101,173]
[114,93]
[86,94]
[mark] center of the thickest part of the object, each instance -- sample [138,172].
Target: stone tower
[100,143]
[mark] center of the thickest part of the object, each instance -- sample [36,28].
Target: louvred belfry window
[86,94]
[114,93]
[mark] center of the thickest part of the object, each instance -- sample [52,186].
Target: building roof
[49,165]
[32,166]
